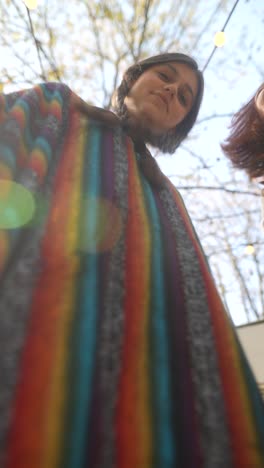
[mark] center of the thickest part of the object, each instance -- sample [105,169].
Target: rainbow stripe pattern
[115,349]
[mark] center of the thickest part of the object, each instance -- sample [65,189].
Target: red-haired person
[245,144]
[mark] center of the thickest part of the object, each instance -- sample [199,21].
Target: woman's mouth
[163,99]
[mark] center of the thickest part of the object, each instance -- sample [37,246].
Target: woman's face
[162,97]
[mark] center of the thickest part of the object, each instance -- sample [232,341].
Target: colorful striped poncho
[115,349]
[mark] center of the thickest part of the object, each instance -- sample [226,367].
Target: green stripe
[164,445]
[84,340]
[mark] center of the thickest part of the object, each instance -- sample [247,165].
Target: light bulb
[219,39]
[250,249]
[31,4]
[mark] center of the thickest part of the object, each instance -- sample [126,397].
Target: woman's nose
[171,88]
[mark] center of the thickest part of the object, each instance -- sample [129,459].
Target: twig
[37,44]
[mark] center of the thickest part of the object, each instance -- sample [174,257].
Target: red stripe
[129,443]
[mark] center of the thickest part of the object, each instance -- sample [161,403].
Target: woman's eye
[183,99]
[164,76]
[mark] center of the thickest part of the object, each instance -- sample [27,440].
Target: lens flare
[17,205]
[102,225]
[219,39]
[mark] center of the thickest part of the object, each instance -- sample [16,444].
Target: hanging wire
[206,25]
[222,30]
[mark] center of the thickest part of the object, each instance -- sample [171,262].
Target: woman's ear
[259,102]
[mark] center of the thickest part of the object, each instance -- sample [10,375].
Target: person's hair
[170,140]
[245,144]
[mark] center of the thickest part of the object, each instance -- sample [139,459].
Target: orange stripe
[52,107]
[55,426]
[4,248]
[240,421]
[19,114]
[38,163]
[2,108]
[30,422]
[133,414]
[5,172]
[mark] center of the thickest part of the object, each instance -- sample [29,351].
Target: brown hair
[245,144]
[168,142]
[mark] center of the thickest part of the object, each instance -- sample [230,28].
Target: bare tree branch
[37,44]
[214,116]
[191,187]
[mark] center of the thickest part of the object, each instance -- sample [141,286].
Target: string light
[31,4]
[250,249]
[222,30]
[219,39]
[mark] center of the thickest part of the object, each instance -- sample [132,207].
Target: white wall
[252,339]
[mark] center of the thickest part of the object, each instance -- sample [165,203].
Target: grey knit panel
[15,298]
[19,278]
[111,330]
[205,372]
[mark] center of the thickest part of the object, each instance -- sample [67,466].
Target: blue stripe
[25,106]
[85,331]
[54,91]
[8,156]
[28,138]
[44,146]
[164,445]
[255,399]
